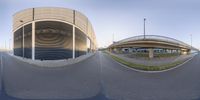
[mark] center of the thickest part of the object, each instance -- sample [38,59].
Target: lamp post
[191,43]
[144,27]
[22,38]
[191,39]
[9,46]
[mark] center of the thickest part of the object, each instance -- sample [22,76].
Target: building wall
[53,33]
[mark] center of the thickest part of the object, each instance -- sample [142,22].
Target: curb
[154,71]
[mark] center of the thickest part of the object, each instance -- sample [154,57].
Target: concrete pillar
[33,40]
[117,50]
[189,51]
[130,50]
[151,53]
[73,51]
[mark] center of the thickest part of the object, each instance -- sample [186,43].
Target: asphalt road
[98,78]
[24,81]
[121,83]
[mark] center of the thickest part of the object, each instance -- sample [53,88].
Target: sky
[118,18]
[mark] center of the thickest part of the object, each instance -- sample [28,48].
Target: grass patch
[161,55]
[145,67]
[142,55]
[156,55]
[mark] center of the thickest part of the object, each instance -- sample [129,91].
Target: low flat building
[151,44]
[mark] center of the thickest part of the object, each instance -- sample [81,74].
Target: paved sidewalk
[54,63]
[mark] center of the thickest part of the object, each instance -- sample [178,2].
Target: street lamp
[9,45]
[191,39]
[22,37]
[191,43]
[144,27]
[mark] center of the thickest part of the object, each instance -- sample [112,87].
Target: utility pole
[191,40]
[144,27]
[191,43]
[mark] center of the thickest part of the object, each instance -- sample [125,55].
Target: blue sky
[123,18]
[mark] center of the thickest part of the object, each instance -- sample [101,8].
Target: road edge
[154,71]
[54,63]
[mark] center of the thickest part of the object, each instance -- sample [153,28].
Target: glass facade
[28,41]
[18,40]
[80,43]
[53,40]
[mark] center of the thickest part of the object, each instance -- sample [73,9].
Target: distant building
[52,33]
[151,44]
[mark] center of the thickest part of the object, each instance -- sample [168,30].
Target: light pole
[22,38]
[191,40]
[144,27]
[10,44]
[191,43]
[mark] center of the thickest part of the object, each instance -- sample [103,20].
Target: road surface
[78,81]
[100,78]
[121,83]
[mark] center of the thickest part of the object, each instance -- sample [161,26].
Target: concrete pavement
[99,78]
[54,63]
[121,83]
[78,81]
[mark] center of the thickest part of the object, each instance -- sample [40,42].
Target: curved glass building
[52,33]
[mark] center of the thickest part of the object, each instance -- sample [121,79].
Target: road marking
[154,71]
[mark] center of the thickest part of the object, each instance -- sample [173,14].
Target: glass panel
[28,41]
[18,51]
[80,43]
[53,40]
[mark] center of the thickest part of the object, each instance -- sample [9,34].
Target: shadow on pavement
[99,96]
